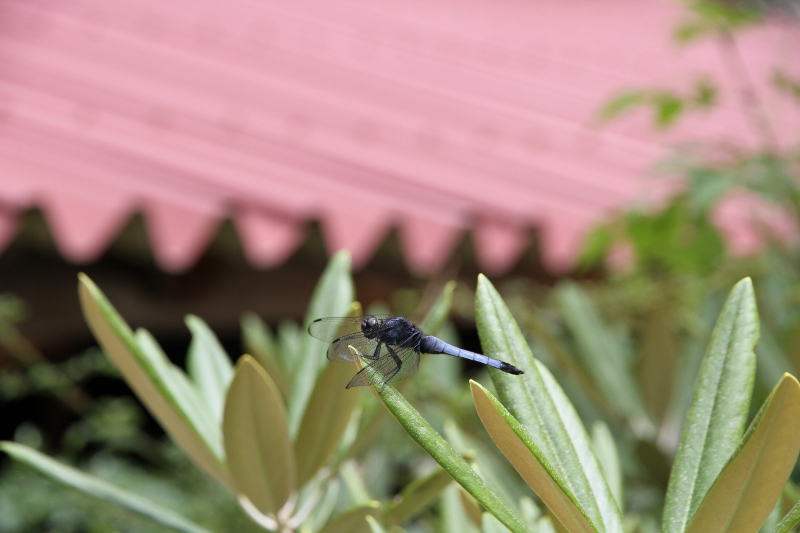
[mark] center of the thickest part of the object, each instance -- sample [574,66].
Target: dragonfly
[392,344]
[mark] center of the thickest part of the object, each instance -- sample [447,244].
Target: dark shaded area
[219,288]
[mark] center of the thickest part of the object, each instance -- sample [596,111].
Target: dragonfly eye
[371,322]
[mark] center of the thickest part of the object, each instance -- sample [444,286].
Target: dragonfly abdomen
[431,344]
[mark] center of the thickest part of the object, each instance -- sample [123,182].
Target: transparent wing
[395,364]
[343,332]
[331,328]
[339,350]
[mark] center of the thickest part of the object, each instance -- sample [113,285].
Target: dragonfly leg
[398,363]
[376,355]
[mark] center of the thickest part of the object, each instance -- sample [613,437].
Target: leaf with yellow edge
[353,520]
[256,436]
[325,420]
[746,490]
[418,495]
[150,379]
[528,460]
[440,450]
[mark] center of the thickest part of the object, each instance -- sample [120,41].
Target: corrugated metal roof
[437,117]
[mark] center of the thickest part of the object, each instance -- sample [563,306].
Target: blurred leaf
[256,435]
[427,437]
[453,513]
[596,247]
[745,492]
[715,18]
[415,498]
[668,107]
[786,84]
[259,342]
[374,526]
[603,356]
[150,385]
[705,93]
[98,488]
[718,412]
[658,358]
[355,486]
[547,420]
[531,463]
[325,420]
[606,451]
[490,524]
[332,296]
[184,394]
[208,365]
[621,103]
[437,316]
[352,521]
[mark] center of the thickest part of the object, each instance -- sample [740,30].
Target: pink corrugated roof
[437,117]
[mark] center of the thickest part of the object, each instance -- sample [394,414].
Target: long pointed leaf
[606,450]
[543,410]
[353,520]
[718,412]
[152,387]
[259,342]
[745,492]
[603,356]
[256,435]
[184,394]
[332,297]
[418,495]
[325,420]
[444,454]
[98,488]
[209,365]
[529,460]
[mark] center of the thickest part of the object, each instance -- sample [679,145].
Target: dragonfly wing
[395,364]
[339,350]
[330,329]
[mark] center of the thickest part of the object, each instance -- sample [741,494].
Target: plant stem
[751,105]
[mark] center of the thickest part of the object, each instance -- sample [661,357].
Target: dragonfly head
[368,323]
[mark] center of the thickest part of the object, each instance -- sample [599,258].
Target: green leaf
[415,498]
[353,520]
[531,463]
[433,443]
[332,297]
[490,524]
[454,515]
[256,436]
[668,107]
[355,486]
[325,420]
[606,451]
[791,519]
[151,383]
[603,356]
[718,411]
[259,342]
[208,365]
[621,103]
[544,413]
[374,526]
[184,394]
[746,491]
[98,488]
[437,316]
